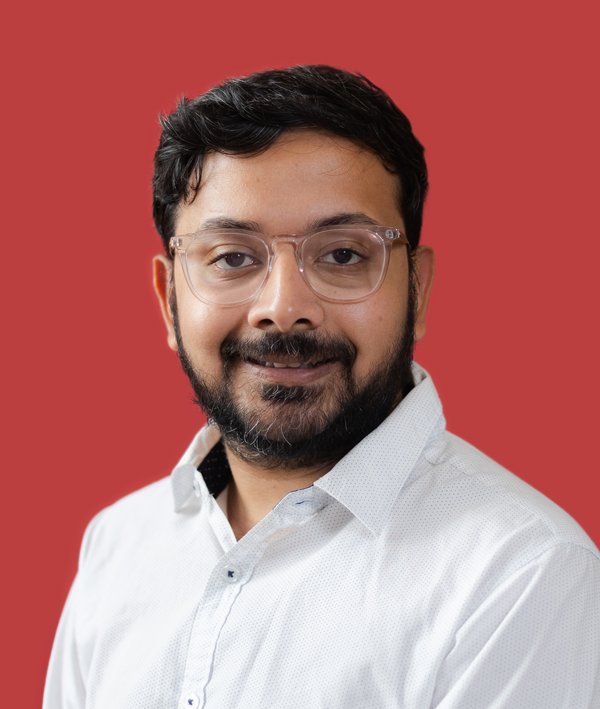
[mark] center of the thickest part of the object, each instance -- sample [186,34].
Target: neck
[253,491]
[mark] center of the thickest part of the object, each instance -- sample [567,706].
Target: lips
[289,365]
[303,353]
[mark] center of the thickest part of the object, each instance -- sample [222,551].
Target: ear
[424,267]
[162,278]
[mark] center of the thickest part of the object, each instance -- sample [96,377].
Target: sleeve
[534,642]
[65,686]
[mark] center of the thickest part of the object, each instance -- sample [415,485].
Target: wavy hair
[244,116]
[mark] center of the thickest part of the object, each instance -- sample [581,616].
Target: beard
[293,427]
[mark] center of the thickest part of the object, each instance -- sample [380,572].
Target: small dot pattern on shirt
[416,573]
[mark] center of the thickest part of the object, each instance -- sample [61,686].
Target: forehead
[303,177]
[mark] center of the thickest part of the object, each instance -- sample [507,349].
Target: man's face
[243,361]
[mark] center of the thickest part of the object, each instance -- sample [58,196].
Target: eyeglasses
[339,263]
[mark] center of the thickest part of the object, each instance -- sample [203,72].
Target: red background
[503,97]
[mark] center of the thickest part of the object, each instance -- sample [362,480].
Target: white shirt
[417,573]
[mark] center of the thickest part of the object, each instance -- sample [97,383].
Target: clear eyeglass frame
[386,236]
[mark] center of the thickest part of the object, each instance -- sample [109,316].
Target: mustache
[302,345]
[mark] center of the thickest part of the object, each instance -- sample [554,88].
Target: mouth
[289,364]
[288,360]
[288,371]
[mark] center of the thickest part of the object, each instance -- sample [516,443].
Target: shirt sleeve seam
[513,499]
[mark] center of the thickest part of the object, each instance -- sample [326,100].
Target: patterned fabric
[416,573]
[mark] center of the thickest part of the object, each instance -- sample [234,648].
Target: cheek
[375,327]
[203,327]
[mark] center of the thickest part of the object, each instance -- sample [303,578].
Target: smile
[289,364]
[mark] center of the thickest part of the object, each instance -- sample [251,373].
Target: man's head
[299,371]
[244,116]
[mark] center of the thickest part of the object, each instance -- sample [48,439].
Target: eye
[341,257]
[234,260]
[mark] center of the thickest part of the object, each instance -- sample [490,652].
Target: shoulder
[513,501]
[478,520]
[129,520]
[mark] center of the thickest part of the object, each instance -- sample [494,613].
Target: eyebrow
[228,223]
[341,219]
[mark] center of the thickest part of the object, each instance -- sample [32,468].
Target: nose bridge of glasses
[293,240]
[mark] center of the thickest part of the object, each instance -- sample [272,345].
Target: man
[324,542]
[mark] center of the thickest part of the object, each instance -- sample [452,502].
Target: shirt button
[232,575]
[190,700]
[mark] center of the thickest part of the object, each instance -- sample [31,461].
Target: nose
[286,303]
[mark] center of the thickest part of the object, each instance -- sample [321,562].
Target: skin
[306,176]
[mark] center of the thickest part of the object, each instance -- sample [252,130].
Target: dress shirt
[417,573]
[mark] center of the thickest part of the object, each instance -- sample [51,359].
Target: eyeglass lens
[230,267]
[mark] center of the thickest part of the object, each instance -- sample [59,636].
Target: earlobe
[162,279]
[424,266]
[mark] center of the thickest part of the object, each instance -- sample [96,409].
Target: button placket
[225,584]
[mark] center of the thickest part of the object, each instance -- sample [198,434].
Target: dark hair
[246,115]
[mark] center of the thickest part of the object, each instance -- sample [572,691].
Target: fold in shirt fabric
[417,573]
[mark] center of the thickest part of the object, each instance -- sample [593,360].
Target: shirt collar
[188,487]
[367,480]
